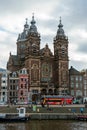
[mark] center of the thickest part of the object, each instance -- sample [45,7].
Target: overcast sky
[47,13]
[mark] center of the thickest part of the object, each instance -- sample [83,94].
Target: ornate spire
[33,21]
[10,53]
[60,24]
[60,31]
[33,28]
[26,26]
[46,46]
[22,36]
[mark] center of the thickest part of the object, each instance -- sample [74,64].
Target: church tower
[32,55]
[21,46]
[61,74]
[33,40]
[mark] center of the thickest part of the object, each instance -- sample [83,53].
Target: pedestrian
[81,110]
[42,104]
[62,103]
[73,110]
[47,106]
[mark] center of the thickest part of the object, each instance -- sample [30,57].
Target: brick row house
[18,86]
[78,84]
[76,81]
[23,86]
[84,72]
[13,82]
[3,85]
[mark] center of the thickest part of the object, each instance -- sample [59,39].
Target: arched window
[45,69]
[35,71]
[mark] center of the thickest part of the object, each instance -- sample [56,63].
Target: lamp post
[30,96]
[47,87]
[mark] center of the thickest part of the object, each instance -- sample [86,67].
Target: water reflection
[45,125]
[58,125]
[13,126]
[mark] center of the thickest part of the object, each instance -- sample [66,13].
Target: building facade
[48,73]
[84,72]
[76,83]
[23,86]
[18,87]
[13,85]
[3,85]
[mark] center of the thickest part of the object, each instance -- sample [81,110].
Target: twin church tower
[48,72]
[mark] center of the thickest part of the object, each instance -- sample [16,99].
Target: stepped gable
[13,59]
[46,51]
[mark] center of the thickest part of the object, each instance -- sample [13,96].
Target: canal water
[45,125]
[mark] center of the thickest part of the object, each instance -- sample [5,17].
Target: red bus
[56,99]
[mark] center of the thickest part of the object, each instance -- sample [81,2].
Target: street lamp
[47,87]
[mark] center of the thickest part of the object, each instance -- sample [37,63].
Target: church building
[48,72]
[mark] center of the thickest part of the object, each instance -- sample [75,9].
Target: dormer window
[23,71]
[14,74]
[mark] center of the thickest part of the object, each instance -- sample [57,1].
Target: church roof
[15,59]
[28,30]
[60,31]
[33,28]
[22,36]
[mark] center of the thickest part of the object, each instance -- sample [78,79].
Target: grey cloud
[82,47]
[73,12]
[7,31]
[51,23]
[16,6]
[79,65]
[47,39]
[21,6]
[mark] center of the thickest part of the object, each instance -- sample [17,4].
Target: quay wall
[47,116]
[52,116]
[66,112]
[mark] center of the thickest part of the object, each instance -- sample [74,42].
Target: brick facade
[48,72]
